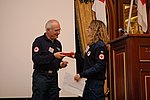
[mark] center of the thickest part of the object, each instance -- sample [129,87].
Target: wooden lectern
[130,67]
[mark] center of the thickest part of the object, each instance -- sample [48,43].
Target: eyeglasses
[57,30]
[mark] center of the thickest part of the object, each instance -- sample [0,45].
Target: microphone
[122,31]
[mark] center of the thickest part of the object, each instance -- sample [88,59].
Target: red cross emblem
[143,2]
[101,56]
[102,1]
[36,49]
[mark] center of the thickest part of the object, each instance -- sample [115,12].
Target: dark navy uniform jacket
[42,53]
[94,62]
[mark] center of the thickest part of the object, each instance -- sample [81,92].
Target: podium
[130,67]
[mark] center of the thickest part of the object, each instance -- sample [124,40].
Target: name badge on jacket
[51,49]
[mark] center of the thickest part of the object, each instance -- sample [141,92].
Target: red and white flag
[100,10]
[142,14]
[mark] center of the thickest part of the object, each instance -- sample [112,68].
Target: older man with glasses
[47,58]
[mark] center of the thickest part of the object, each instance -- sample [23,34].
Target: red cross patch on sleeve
[101,56]
[36,49]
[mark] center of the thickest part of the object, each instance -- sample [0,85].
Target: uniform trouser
[45,86]
[94,90]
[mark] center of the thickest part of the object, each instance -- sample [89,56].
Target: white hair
[48,25]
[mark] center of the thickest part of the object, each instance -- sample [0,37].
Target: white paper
[72,86]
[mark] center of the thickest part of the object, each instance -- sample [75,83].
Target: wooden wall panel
[119,75]
[145,84]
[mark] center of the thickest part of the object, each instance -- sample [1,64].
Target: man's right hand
[59,55]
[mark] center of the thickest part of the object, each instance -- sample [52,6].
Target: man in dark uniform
[47,58]
[94,61]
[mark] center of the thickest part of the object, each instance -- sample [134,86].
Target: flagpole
[130,12]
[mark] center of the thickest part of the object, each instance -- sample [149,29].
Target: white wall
[21,21]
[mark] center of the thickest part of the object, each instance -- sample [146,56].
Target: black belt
[46,71]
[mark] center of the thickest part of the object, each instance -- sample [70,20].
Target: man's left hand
[63,64]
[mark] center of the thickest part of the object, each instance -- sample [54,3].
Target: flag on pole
[142,14]
[100,10]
